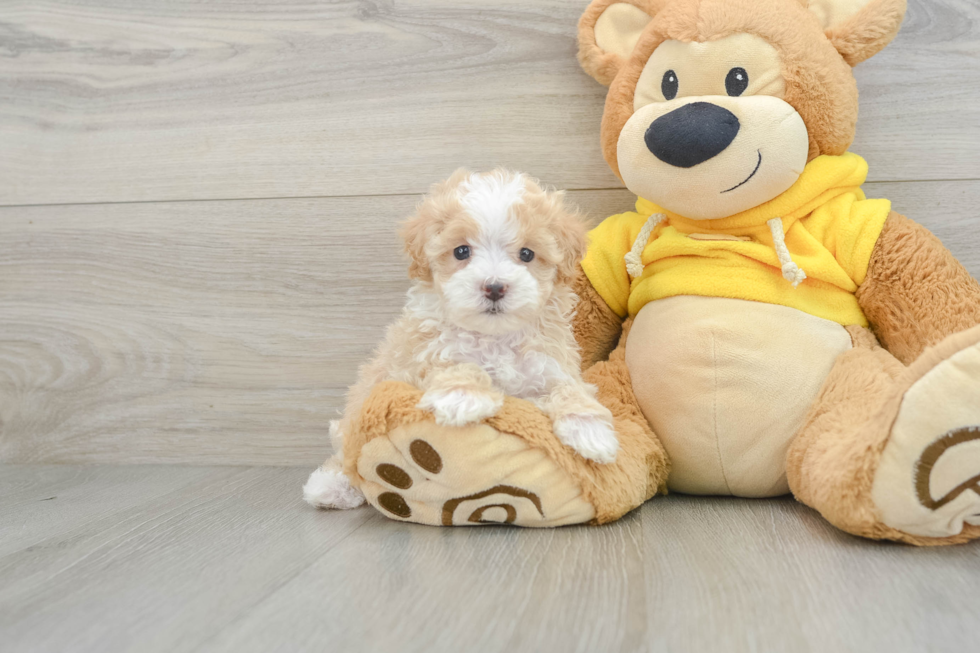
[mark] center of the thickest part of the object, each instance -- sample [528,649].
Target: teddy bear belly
[726,385]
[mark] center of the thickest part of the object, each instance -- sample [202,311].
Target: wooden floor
[177,558]
[198,203]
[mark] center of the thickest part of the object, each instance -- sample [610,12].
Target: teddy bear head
[715,106]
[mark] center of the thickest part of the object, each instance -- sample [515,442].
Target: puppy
[489,314]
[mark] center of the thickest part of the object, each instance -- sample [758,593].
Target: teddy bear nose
[691,134]
[494,291]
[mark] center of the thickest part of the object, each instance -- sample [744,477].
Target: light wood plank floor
[171,558]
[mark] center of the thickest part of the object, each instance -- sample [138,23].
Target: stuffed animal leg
[509,469]
[889,451]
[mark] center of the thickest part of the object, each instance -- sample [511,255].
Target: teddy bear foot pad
[472,475]
[928,480]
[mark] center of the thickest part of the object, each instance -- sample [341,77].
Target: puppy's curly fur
[493,258]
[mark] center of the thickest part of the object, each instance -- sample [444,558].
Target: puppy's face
[494,246]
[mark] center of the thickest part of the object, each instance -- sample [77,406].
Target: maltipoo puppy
[492,258]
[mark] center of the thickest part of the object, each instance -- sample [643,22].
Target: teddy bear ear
[607,32]
[859,29]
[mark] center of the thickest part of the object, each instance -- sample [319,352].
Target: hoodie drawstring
[791,271]
[634,262]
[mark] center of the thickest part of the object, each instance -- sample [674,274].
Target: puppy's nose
[692,134]
[494,291]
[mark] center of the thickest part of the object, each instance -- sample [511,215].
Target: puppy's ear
[429,218]
[570,230]
[859,29]
[415,233]
[607,32]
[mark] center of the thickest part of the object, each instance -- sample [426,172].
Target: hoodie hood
[809,248]
[823,179]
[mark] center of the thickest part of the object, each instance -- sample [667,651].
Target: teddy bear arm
[916,293]
[596,326]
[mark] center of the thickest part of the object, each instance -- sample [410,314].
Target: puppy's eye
[669,85]
[527,255]
[462,252]
[737,81]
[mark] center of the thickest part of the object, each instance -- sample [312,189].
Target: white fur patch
[459,407]
[524,363]
[488,198]
[592,437]
[329,488]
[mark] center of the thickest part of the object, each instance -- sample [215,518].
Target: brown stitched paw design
[425,457]
[463,476]
[509,495]
[927,463]
[502,511]
[395,504]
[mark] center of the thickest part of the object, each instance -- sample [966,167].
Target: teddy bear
[757,326]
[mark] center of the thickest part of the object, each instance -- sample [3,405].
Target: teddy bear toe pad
[928,479]
[454,476]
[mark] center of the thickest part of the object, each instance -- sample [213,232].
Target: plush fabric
[830,229]
[866,30]
[916,292]
[832,463]
[742,375]
[940,497]
[601,64]
[712,344]
[702,68]
[619,27]
[768,147]
[819,83]
[596,326]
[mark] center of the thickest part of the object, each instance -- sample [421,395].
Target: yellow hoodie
[830,231]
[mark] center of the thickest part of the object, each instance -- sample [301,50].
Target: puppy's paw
[592,437]
[459,407]
[329,488]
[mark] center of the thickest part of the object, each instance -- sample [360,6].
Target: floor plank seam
[273,198]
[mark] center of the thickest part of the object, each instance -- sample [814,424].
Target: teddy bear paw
[928,480]
[443,475]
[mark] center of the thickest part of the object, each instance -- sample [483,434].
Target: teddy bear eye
[669,85]
[527,255]
[462,252]
[736,82]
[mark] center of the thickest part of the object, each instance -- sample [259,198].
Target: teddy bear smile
[757,166]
